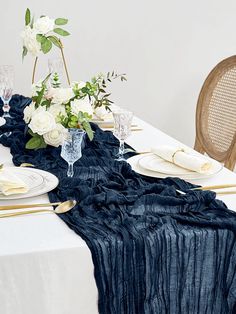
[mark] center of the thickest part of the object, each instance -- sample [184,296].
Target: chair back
[216,114]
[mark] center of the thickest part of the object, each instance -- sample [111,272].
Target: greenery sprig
[96,89]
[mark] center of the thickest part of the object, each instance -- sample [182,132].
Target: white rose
[42,121]
[62,95]
[44,25]
[50,93]
[56,136]
[57,110]
[81,105]
[36,87]
[28,112]
[29,41]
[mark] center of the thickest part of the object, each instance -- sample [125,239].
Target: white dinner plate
[38,181]
[134,162]
[154,163]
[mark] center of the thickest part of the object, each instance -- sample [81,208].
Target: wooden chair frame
[203,144]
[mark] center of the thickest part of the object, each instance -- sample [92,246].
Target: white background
[167,48]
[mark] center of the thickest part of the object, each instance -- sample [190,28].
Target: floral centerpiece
[54,109]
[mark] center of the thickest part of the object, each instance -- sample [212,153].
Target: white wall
[166,48]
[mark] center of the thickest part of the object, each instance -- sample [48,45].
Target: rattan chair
[216,114]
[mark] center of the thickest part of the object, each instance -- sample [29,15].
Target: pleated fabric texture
[155,251]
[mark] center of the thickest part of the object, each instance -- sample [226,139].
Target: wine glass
[6,87]
[71,148]
[122,125]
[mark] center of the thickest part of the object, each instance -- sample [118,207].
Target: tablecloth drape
[154,250]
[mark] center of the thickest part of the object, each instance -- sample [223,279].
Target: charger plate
[38,181]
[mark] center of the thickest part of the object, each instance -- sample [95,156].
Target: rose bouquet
[41,35]
[54,109]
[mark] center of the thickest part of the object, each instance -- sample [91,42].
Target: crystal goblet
[71,148]
[122,129]
[6,87]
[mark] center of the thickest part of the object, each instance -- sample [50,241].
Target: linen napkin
[184,158]
[11,184]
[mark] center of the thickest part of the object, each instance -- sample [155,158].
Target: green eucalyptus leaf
[43,144]
[27,16]
[41,38]
[87,127]
[80,117]
[46,103]
[46,46]
[74,119]
[31,132]
[34,143]
[61,21]
[55,41]
[72,124]
[61,32]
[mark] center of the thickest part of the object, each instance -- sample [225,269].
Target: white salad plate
[38,181]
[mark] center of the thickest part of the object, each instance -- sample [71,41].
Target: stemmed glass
[71,148]
[122,129]
[6,87]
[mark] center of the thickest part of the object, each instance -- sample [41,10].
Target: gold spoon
[60,209]
[20,206]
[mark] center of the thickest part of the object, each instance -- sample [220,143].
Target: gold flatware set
[61,207]
[218,187]
[213,188]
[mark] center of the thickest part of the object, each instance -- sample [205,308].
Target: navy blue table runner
[154,251]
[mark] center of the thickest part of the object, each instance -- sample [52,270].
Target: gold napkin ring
[177,151]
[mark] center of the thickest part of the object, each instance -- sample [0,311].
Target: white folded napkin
[184,158]
[11,184]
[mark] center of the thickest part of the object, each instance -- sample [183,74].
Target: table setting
[122,217]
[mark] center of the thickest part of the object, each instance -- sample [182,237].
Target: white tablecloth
[45,268]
